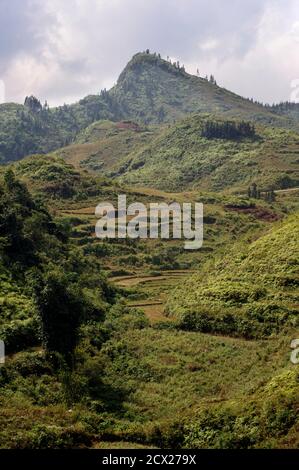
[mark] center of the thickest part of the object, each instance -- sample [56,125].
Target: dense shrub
[20,334]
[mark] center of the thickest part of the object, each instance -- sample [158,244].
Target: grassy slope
[157,388]
[104,143]
[252,292]
[75,193]
[151,385]
[179,158]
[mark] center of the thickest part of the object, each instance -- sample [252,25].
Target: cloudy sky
[62,50]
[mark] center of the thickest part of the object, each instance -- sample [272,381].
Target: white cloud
[209,45]
[61,51]
[266,70]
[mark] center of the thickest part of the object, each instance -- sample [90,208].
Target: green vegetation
[33,129]
[32,245]
[227,130]
[114,371]
[181,157]
[104,143]
[252,294]
[123,343]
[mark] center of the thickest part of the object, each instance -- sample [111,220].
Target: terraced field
[154,289]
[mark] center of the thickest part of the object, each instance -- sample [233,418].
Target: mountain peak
[145,59]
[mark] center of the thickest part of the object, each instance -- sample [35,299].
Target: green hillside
[183,156]
[104,143]
[252,292]
[287,109]
[33,128]
[73,195]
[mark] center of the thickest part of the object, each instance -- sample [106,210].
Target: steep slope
[184,156]
[252,292]
[150,90]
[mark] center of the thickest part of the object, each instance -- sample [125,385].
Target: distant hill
[150,90]
[27,130]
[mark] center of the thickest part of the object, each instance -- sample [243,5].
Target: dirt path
[161,274]
[134,280]
[286,190]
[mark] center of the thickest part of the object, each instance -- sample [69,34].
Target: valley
[139,343]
